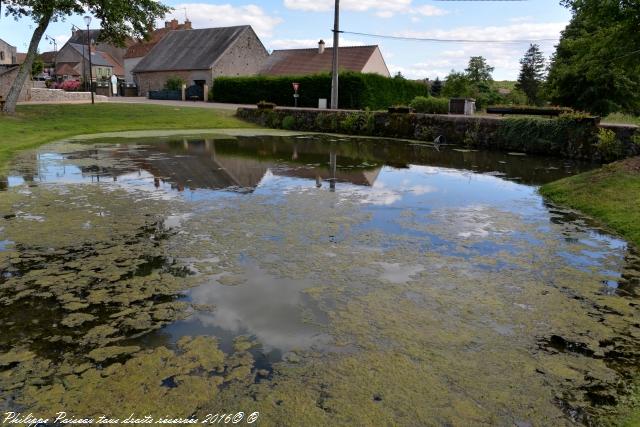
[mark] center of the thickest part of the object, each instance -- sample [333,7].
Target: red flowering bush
[70,85]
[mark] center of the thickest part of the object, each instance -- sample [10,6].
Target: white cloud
[382,8]
[308,43]
[504,57]
[204,15]
[428,10]
[519,31]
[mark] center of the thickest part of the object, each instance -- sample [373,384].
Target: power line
[436,40]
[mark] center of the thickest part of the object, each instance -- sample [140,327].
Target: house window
[1,55]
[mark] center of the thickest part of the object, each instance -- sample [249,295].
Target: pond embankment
[571,136]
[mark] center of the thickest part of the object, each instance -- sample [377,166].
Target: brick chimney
[187,25]
[173,24]
[321,47]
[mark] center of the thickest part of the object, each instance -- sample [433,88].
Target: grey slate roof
[80,36]
[96,59]
[190,49]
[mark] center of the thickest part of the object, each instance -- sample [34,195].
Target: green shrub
[264,105]
[609,146]
[289,123]
[570,135]
[174,83]
[358,123]
[636,138]
[357,90]
[426,105]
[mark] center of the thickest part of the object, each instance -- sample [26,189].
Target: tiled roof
[190,49]
[66,69]
[48,57]
[20,57]
[98,58]
[291,62]
[143,47]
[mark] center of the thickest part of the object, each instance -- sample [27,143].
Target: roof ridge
[339,47]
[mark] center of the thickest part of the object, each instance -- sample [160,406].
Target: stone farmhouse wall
[245,58]
[59,95]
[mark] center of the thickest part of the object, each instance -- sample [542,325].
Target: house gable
[190,49]
[376,64]
[245,57]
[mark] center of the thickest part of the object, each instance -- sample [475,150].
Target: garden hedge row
[358,91]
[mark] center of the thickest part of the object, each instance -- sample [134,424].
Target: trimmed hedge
[358,91]
[423,104]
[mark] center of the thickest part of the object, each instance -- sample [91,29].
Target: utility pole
[87,20]
[336,48]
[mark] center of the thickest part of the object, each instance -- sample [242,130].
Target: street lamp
[87,20]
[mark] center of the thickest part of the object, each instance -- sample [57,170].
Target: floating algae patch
[351,282]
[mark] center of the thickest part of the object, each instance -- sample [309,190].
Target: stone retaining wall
[59,95]
[571,136]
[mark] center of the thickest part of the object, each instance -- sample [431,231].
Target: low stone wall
[570,136]
[59,95]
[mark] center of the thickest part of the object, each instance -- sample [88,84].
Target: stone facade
[61,96]
[156,80]
[7,76]
[7,53]
[244,58]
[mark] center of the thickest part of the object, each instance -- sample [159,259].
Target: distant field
[622,118]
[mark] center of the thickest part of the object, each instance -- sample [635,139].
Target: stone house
[8,53]
[79,37]
[300,62]
[199,56]
[72,63]
[8,74]
[141,48]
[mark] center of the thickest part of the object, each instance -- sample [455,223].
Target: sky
[285,24]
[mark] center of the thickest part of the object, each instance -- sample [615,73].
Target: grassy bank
[34,125]
[610,194]
[622,119]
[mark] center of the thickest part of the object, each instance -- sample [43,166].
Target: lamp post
[336,47]
[87,20]
[84,62]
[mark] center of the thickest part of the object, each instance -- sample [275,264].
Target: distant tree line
[596,66]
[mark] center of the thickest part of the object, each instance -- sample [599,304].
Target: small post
[206,93]
[184,92]
[296,95]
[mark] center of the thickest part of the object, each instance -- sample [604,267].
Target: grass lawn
[610,194]
[34,125]
[622,118]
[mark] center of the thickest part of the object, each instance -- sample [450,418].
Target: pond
[313,279]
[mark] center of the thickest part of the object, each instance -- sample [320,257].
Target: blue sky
[301,23]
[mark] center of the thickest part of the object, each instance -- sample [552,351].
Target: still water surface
[343,279]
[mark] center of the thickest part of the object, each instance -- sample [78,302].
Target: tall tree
[531,76]
[436,87]
[458,85]
[479,71]
[119,20]
[596,66]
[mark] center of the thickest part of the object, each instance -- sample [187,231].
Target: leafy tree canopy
[119,19]
[478,70]
[596,66]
